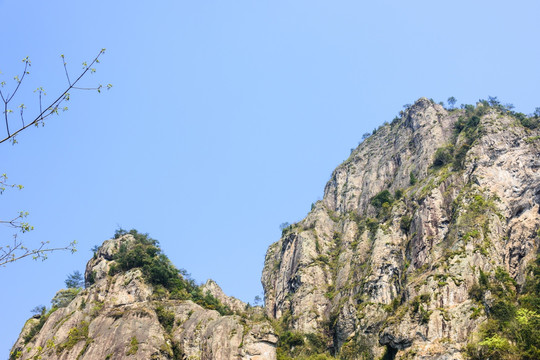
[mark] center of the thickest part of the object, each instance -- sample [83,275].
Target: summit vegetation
[169,282]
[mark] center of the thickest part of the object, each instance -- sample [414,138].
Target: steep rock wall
[396,277]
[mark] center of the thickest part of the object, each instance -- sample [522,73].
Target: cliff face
[387,260]
[124,316]
[420,247]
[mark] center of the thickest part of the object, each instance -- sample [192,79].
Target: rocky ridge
[124,316]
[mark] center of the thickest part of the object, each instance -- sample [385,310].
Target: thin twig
[65,69]
[22,118]
[79,88]
[6,116]
[54,105]
[26,62]
[9,255]
[40,110]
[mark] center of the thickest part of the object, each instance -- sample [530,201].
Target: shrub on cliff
[381,198]
[64,297]
[513,327]
[443,156]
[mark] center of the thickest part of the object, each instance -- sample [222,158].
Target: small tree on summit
[74,280]
[451,102]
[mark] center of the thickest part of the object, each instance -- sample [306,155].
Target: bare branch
[6,116]
[19,81]
[8,98]
[17,251]
[22,107]
[65,69]
[53,107]
[80,88]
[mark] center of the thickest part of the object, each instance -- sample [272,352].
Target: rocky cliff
[425,246]
[388,263]
[134,314]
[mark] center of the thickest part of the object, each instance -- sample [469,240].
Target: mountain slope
[386,262]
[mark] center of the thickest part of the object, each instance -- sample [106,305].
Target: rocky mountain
[425,246]
[417,232]
[133,308]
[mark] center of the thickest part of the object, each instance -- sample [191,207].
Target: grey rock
[116,318]
[330,269]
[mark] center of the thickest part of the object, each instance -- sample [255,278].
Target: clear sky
[226,117]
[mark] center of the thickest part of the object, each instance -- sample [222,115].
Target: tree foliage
[158,270]
[382,198]
[512,330]
[64,297]
[74,280]
[451,102]
[443,155]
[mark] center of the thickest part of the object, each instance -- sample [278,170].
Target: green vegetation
[384,197]
[451,102]
[467,126]
[317,346]
[405,223]
[133,346]
[75,335]
[418,308]
[443,156]
[294,345]
[91,278]
[64,297]
[37,327]
[356,348]
[383,203]
[74,280]
[412,178]
[529,122]
[392,307]
[512,330]
[158,270]
[165,317]
[372,225]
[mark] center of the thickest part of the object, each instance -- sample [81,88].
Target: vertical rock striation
[386,261]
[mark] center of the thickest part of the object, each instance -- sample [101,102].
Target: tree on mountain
[451,102]
[74,280]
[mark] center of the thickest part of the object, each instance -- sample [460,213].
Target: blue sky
[226,118]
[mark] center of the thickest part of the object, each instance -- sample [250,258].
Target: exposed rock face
[233,303]
[395,277]
[121,316]
[388,262]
